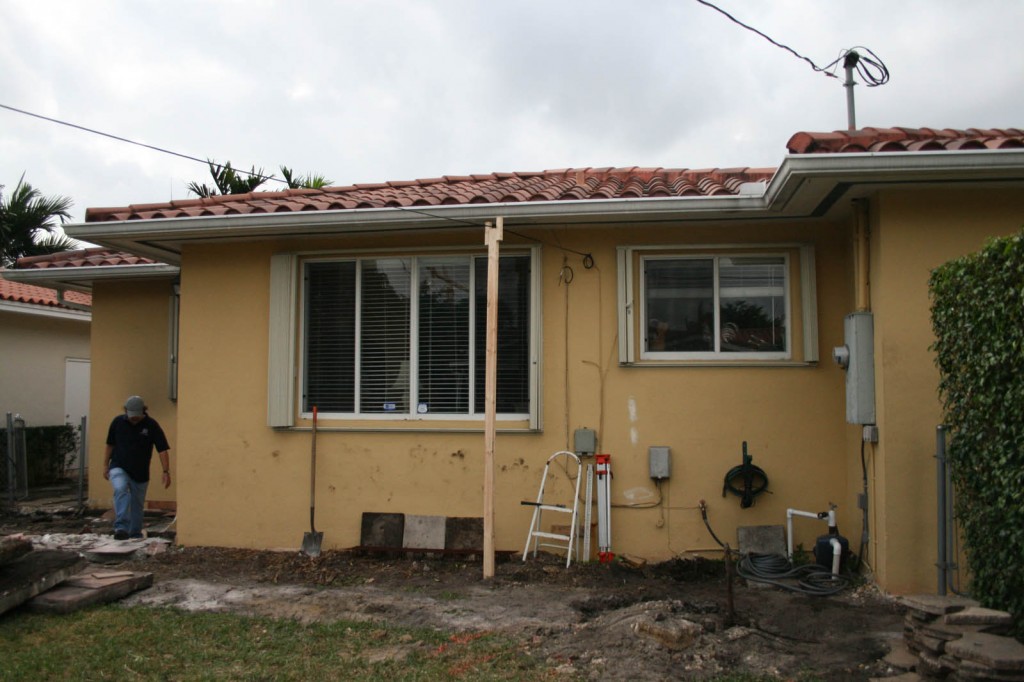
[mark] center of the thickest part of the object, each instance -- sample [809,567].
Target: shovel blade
[311,543]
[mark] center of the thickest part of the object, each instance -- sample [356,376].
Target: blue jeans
[129,500]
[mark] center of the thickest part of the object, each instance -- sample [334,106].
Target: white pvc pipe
[790,513]
[837,555]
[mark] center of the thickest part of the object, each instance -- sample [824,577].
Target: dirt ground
[660,621]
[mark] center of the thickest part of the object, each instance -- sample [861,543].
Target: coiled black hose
[754,480]
[773,569]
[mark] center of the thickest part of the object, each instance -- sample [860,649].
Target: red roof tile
[905,140]
[94,257]
[563,184]
[552,185]
[27,293]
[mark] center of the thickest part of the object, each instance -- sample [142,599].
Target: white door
[76,390]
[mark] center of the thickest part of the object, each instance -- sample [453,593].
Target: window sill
[749,364]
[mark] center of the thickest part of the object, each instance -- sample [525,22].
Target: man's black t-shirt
[133,445]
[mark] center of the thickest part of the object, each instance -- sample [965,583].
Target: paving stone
[931,644]
[931,664]
[978,615]
[423,532]
[89,587]
[936,605]
[762,539]
[1000,653]
[382,530]
[969,670]
[946,632]
[464,533]
[12,548]
[35,573]
[900,657]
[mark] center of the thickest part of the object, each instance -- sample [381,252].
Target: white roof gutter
[81,278]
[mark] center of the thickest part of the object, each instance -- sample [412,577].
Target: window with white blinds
[403,337]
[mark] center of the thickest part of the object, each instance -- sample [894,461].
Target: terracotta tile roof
[17,292]
[566,184]
[905,140]
[94,257]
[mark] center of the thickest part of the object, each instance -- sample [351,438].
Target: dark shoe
[120,535]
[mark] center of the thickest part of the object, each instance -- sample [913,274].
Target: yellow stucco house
[693,310]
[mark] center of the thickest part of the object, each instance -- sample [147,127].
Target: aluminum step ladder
[560,541]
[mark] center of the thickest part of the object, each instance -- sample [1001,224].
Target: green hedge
[978,318]
[50,450]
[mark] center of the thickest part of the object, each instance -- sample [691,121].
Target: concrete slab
[424,532]
[936,605]
[87,588]
[109,551]
[1000,653]
[35,573]
[13,548]
[977,615]
[464,533]
[969,670]
[900,657]
[382,530]
[762,539]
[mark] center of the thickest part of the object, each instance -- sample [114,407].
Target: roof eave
[805,185]
[39,310]
[82,278]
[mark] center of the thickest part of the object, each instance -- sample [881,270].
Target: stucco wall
[130,357]
[32,369]
[914,232]
[244,484]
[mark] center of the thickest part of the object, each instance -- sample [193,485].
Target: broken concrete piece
[978,615]
[35,573]
[13,547]
[423,532]
[88,588]
[676,634]
[936,605]
[762,539]
[1000,653]
[900,657]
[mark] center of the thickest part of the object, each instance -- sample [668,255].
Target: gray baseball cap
[135,406]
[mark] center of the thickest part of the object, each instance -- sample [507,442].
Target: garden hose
[754,480]
[811,579]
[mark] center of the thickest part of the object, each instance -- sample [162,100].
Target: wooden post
[492,237]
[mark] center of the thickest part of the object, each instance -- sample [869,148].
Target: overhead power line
[787,48]
[205,162]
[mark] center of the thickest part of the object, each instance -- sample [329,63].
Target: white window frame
[631,302]
[287,329]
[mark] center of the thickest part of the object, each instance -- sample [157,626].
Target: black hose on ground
[773,569]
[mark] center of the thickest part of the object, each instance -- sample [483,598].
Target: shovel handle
[312,470]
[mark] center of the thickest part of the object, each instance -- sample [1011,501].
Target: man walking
[130,442]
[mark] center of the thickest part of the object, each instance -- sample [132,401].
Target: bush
[49,451]
[978,318]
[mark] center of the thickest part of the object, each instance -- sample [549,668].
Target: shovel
[312,540]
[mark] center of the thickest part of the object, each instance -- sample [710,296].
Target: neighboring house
[691,309]
[44,341]
[131,335]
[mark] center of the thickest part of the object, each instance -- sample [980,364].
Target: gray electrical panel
[859,333]
[659,460]
[584,442]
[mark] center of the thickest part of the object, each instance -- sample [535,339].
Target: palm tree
[309,181]
[227,180]
[27,224]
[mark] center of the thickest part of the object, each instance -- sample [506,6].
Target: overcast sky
[377,90]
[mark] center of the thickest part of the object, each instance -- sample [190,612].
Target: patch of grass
[112,642]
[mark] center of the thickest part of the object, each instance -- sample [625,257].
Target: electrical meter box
[859,334]
[584,441]
[659,459]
